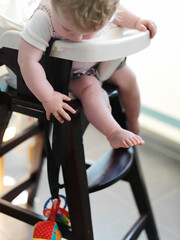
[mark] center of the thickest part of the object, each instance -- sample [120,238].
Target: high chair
[67,146]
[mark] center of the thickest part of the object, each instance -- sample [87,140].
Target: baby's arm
[124,18]
[35,78]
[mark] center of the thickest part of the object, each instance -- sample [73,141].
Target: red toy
[48,230]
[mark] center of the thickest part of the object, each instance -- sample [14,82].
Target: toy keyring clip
[60,196]
[62,215]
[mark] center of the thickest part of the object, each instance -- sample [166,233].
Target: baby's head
[86,16]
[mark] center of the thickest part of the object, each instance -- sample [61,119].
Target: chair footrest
[109,169]
[136,229]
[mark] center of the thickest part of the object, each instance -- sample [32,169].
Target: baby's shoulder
[41,18]
[45,7]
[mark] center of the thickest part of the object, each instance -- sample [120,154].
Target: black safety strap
[53,166]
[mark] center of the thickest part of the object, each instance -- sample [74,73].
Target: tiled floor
[113,209]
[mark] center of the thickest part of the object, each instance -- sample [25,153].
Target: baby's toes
[130,142]
[140,141]
[126,144]
[134,141]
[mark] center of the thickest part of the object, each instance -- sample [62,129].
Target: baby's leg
[88,90]
[125,79]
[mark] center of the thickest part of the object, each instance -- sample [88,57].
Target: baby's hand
[144,24]
[57,107]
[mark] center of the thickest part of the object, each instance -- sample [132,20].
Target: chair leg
[136,181]
[75,179]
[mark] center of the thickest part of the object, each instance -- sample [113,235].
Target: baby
[76,20]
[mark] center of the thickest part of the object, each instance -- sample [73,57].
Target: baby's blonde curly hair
[88,14]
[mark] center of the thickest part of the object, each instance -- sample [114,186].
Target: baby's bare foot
[123,138]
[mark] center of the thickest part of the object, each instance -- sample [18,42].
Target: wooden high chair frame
[115,165]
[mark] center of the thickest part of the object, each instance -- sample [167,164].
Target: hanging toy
[62,215]
[48,230]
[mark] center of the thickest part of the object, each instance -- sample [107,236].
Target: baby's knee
[127,80]
[89,83]
[132,78]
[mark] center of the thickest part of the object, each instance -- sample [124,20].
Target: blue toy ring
[60,196]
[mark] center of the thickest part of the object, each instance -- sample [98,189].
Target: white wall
[158,67]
